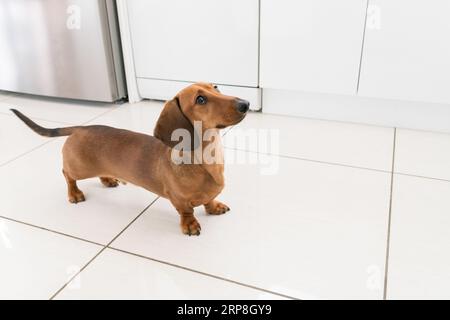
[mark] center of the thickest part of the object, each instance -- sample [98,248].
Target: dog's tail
[57,132]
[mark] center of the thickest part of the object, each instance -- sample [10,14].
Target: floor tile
[36,263]
[335,142]
[117,275]
[53,109]
[303,229]
[35,193]
[419,259]
[141,116]
[4,95]
[16,138]
[423,153]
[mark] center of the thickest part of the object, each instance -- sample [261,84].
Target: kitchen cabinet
[407,51]
[198,40]
[312,45]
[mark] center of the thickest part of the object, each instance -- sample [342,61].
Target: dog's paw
[216,208]
[109,182]
[77,197]
[191,227]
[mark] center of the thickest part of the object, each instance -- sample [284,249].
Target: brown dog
[120,155]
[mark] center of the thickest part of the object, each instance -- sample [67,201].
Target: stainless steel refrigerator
[61,48]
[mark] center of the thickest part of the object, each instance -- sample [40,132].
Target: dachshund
[158,163]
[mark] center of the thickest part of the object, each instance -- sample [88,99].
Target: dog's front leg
[189,225]
[216,207]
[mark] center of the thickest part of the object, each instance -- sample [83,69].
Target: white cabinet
[196,40]
[407,50]
[312,45]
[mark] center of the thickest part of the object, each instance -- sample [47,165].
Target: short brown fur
[115,155]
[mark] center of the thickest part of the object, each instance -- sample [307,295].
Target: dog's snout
[242,105]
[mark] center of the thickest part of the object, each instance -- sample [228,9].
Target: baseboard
[166,89]
[373,111]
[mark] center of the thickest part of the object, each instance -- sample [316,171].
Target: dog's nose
[242,105]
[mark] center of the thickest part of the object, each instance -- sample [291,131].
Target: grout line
[422,177]
[132,221]
[388,240]
[362,48]
[103,249]
[26,152]
[77,274]
[225,133]
[204,274]
[321,119]
[50,230]
[335,163]
[311,160]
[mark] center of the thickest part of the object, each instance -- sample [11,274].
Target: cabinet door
[407,50]
[312,45]
[196,40]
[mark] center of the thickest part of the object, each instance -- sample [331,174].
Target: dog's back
[102,151]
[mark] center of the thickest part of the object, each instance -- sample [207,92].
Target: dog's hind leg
[75,195]
[109,182]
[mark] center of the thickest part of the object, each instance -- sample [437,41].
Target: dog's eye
[201,100]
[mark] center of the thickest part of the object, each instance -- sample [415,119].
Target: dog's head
[201,102]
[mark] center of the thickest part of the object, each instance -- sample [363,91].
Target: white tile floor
[310,216]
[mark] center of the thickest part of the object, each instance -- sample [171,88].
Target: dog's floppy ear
[170,119]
